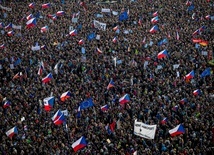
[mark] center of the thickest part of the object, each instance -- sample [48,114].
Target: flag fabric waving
[206,72]
[123,16]
[179,129]
[86,104]
[10,133]
[79,144]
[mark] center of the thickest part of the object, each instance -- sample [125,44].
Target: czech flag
[177,36]
[208,17]
[79,144]
[41,68]
[1,25]
[140,21]
[155,14]
[115,28]
[104,108]
[154,20]
[45,6]
[144,40]
[73,33]
[179,129]
[196,32]
[48,103]
[124,99]
[10,33]
[44,29]
[175,108]
[202,28]
[29,17]
[18,75]
[60,13]
[6,104]
[31,23]
[81,42]
[10,133]
[54,17]
[99,51]
[190,75]
[111,84]
[154,29]
[60,120]
[164,121]
[162,54]
[9,26]
[114,40]
[196,92]
[65,96]
[56,115]
[2,46]
[31,5]
[43,47]
[188,3]
[184,100]
[47,78]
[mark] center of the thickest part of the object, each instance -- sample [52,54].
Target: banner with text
[99,25]
[144,130]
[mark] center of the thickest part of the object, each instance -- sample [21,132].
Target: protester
[88,67]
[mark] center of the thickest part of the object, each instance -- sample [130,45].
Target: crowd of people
[155,86]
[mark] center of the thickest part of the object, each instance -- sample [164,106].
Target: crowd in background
[154,85]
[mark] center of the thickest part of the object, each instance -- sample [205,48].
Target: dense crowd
[155,86]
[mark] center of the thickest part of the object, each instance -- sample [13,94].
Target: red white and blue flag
[46,5]
[196,92]
[124,99]
[10,133]
[81,42]
[79,144]
[60,13]
[31,23]
[44,29]
[60,120]
[29,17]
[111,84]
[179,129]
[154,29]
[6,104]
[104,108]
[190,75]
[155,14]
[155,20]
[65,96]
[56,115]
[73,33]
[48,103]
[47,78]
[162,54]
[31,5]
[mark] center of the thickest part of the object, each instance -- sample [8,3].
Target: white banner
[18,27]
[5,8]
[106,10]
[144,130]
[99,25]
[65,112]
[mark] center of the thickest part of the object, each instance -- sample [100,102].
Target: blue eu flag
[123,16]
[91,36]
[86,104]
